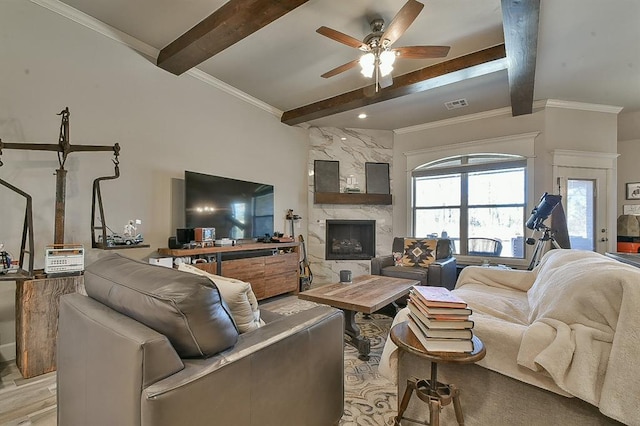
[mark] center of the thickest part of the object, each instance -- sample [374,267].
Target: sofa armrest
[112,355]
[443,273]
[377,263]
[290,368]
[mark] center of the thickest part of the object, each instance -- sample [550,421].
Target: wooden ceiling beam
[520,23]
[413,82]
[234,21]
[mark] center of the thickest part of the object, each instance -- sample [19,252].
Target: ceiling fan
[379,57]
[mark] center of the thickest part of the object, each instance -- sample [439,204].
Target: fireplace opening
[350,239]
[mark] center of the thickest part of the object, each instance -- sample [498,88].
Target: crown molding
[548,103]
[98,26]
[581,106]
[463,119]
[209,79]
[123,38]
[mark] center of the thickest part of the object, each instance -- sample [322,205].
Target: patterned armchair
[429,261]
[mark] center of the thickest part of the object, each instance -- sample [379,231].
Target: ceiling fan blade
[342,38]
[403,19]
[422,52]
[341,68]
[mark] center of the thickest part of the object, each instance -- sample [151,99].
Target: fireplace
[350,239]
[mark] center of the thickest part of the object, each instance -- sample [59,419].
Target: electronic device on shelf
[204,235]
[63,258]
[224,242]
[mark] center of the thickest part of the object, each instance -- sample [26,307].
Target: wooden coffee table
[366,294]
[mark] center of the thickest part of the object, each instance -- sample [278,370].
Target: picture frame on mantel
[377,178]
[633,191]
[326,176]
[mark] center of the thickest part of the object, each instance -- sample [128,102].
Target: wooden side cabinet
[37,307]
[269,275]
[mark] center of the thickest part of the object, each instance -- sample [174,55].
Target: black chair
[480,246]
[441,272]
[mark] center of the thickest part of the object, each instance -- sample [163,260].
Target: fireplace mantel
[351,198]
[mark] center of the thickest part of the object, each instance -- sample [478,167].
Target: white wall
[629,150]
[165,125]
[559,128]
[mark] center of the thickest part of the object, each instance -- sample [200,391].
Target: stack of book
[440,320]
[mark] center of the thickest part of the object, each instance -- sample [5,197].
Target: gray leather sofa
[442,272]
[115,370]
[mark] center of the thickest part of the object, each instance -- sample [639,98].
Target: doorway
[584,192]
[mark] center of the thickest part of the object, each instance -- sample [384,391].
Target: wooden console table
[37,306]
[269,275]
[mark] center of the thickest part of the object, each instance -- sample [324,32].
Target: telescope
[542,211]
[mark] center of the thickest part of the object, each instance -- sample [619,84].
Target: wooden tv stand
[269,274]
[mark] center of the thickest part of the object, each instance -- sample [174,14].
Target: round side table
[435,393]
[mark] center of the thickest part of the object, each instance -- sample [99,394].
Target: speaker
[326,176]
[173,243]
[377,178]
[185,235]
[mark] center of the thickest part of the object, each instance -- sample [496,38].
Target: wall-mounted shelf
[351,198]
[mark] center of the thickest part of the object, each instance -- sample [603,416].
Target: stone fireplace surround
[352,148]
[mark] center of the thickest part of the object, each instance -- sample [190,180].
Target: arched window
[477,200]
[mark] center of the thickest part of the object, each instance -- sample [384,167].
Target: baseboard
[8,352]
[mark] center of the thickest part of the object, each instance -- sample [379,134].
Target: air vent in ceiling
[458,103]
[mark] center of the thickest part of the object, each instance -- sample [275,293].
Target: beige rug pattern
[370,399]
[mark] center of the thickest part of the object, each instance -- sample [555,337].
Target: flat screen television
[237,209]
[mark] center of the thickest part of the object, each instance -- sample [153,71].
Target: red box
[628,247]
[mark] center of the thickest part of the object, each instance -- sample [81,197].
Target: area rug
[369,399]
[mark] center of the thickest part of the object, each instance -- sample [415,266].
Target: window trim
[519,144]
[463,170]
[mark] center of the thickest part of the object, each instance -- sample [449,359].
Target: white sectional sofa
[563,343]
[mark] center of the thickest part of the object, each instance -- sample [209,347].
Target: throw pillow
[237,294]
[397,258]
[419,253]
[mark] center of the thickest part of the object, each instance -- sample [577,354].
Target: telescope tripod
[547,235]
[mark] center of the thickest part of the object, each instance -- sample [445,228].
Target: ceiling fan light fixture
[367,62]
[387,58]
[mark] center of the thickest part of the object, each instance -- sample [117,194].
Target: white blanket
[580,327]
[584,332]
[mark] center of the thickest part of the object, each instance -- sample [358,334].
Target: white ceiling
[588,51]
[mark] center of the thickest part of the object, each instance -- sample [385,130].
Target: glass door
[585,209]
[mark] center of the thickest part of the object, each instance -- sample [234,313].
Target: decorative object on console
[204,235]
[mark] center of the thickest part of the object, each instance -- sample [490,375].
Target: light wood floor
[26,401]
